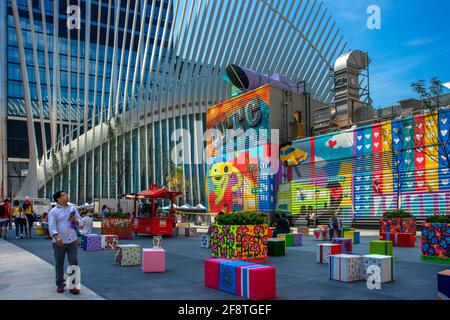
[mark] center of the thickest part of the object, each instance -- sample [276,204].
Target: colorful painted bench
[400,239]
[443,279]
[385,263]
[92,242]
[345,267]
[245,279]
[276,247]
[325,250]
[354,235]
[205,241]
[381,247]
[153,260]
[346,244]
[109,241]
[128,255]
[292,239]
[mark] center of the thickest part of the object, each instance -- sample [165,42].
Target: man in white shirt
[63,220]
[87,223]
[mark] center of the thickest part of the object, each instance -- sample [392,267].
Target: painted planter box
[435,244]
[398,225]
[240,242]
[123,228]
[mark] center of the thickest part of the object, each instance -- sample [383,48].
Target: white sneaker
[17,238]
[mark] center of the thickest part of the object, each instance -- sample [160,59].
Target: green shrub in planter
[439,219]
[241,218]
[118,215]
[397,214]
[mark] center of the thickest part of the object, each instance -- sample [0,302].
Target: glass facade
[154,64]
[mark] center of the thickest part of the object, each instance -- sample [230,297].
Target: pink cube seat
[153,260]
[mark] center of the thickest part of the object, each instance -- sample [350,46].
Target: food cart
[148,216]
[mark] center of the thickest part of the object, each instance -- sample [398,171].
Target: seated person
[281,225]
[87,223]
[335,226]
[44,223]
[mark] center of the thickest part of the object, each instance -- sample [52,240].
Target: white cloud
[319,162]
[416,42]
[342,140]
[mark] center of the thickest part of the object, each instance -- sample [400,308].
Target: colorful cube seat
[276,247]
[298,237]
[205,241]
[83,240]
[270,232]
[383,262]
[303,230]
[109,241]
[400,239]
[320,234]
[153,260]
[345,267]
[346,244]
[325,250]
[344,229]
[354,235]
[93,242]
[190,232]
[381,247]
[39,230]
[128,255]
[288,237]
[245,279]
[443,286]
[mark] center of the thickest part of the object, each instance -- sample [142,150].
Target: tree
[118,166]
[437,130]
[397,142]
[60,165]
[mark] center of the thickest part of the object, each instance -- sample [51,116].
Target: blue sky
[413,42]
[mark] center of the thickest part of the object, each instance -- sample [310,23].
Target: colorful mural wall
[366,170]
[238,172]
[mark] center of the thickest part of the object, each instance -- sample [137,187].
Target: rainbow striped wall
[363,171]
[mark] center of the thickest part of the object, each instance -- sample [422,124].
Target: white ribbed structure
[154,89]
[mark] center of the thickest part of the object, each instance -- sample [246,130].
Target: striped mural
[365,171]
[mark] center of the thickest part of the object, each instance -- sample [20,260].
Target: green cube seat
[276,247]
[288,237]
[381,247]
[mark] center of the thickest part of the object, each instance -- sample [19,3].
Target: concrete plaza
[28,263]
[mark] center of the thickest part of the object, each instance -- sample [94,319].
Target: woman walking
[28,210]
[20,219]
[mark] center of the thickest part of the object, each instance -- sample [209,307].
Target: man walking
[62,222]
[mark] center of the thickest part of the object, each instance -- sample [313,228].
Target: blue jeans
[277,231]
[20,224]
[338,231]
[71,250]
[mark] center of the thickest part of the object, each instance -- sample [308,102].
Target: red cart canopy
[159,193]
